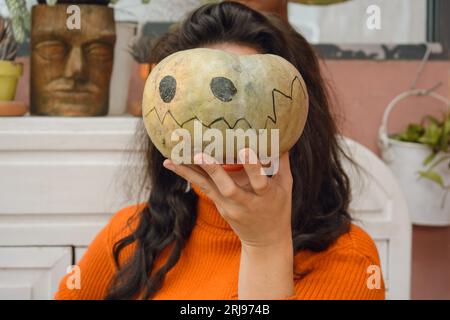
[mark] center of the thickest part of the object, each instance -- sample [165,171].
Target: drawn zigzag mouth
[270,118]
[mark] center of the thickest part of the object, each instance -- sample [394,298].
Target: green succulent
[20,17]
[8,43]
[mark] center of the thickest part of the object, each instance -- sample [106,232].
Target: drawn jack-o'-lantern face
[224,91]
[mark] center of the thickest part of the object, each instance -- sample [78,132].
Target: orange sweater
[209,265]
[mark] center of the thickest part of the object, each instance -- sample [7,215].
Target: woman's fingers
[259,181]
[197,169]
[220,177]
[195,177]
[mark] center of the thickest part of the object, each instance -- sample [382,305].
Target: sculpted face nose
[75,66]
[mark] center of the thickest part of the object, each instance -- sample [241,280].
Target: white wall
[402,21]
[157,10]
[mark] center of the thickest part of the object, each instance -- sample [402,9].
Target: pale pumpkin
[224,91]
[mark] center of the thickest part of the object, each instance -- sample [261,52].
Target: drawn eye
[167,88]
[223,89]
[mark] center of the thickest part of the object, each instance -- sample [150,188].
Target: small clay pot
[12,108]
[10,73]
[135,108]
[144,70]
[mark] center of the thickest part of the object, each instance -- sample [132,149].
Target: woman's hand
[259,211]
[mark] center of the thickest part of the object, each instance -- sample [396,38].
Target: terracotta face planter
[224,91]
[71,69]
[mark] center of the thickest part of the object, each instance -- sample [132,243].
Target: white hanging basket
[429,203]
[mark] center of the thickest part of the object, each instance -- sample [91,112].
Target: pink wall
[363,89]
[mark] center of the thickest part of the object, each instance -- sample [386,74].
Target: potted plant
[420,158]
[71,57]
[434,134]
[99,85]
[140,50]
[10,71]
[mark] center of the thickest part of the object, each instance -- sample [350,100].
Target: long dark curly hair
[321,191]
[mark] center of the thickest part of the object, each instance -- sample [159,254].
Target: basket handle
[383,137]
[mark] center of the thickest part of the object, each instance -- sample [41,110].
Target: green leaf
[439,161]
[412,133]
[433,176]
[432,135]
[431,119]
[445,140]
[429,158]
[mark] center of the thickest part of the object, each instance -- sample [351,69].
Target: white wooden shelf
[58,177]
[65,133]
[60,181]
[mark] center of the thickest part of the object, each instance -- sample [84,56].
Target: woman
[237,234]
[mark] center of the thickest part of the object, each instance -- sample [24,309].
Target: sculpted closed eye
[223,89]
[51,50]
[167,88]
[99,51]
